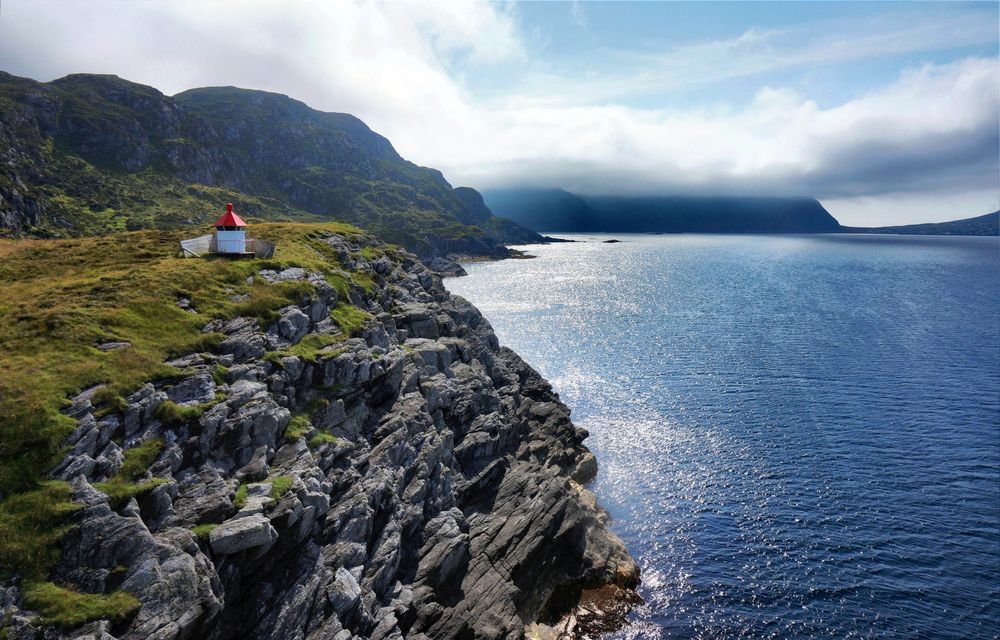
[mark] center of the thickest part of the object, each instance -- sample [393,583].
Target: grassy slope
[58,300]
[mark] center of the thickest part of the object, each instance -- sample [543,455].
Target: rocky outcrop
[414,481]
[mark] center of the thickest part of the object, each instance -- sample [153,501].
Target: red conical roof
[230,219]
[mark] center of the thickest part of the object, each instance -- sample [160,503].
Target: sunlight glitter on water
[797,436]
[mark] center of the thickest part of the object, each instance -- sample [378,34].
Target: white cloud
[399,67]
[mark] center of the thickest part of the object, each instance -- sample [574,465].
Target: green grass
[309,347]
[219,374]
[202,531]
[240,499]
[138,459]
[119,492]
[68,608]
[351,320]
[297,427]
[320,439]
[123,486]
[171,413]
[280,485]
[31,525]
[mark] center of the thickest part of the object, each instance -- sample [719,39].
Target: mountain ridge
[540,209]
[557,210]
[88,154]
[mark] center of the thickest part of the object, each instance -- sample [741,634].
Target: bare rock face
[433,493]
[240,534]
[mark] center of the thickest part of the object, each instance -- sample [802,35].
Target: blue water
[798,436]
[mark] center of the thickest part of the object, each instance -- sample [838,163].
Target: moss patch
[171,413]
[240,499]
[68,608]
[351,320]
[31,525]
[297,427]
[123,486]
[320,439]
[202,531]
[280,486]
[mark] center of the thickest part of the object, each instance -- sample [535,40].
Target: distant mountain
[543,209]
[90,154]
[555,210]
[984,225]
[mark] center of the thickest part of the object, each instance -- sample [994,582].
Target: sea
[798,436]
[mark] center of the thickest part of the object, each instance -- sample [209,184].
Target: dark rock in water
[433,491]
[612,241]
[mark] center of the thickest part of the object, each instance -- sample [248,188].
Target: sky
[889,113]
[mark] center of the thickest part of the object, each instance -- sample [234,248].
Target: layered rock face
[446,504]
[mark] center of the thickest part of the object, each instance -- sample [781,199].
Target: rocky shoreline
[416,480]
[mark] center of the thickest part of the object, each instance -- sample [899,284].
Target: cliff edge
[365,462]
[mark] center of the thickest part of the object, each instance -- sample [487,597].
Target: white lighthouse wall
[231,241]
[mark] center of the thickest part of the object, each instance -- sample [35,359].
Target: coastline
[416,478]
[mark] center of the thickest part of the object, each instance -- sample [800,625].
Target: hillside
[984,225]
[90,154]
[557,210]
[322,445]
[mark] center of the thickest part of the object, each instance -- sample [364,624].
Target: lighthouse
[230,239]
[231,233]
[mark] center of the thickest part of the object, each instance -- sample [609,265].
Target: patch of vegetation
[297,427]
[171,413]
[202,531]
[265,299]
[240,499]
[312,346]
[119,492]
[351,320]
[280,485]
[365,280]
[139,458]
[108,401]
[219,374]
[320,439]
[31,525]
[123,486]
[68,608]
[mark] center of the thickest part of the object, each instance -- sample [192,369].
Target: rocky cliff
[404,478]
[90,154]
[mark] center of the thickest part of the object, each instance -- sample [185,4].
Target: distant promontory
[556,210]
